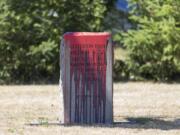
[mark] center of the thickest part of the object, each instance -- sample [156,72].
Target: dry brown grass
[139,108]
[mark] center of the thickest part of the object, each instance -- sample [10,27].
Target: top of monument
[77,34]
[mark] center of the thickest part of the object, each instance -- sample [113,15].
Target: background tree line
[153,42]
[30,35]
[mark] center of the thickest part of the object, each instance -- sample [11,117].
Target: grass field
[139,108]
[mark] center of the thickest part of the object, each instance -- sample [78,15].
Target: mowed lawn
[139,108]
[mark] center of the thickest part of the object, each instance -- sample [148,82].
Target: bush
[30,33]
[120,70]
[153,43]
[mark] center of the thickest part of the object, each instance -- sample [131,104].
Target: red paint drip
[88,66]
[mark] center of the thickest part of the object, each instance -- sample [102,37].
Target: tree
[30,32]
[153,43]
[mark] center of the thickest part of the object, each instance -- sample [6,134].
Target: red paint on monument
[88,71]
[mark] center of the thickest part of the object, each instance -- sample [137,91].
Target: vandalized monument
[86,77]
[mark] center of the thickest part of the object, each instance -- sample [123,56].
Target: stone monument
[86,60]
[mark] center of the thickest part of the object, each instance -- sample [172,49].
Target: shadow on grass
[131,123]
[148,123]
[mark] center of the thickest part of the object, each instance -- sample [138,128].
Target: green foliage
[30,31]
[120,71]
[153,44]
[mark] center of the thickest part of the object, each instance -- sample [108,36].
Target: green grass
[120,53]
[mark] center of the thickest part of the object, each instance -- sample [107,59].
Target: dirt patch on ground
[139,108]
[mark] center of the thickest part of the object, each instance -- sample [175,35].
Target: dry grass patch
[139,108]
